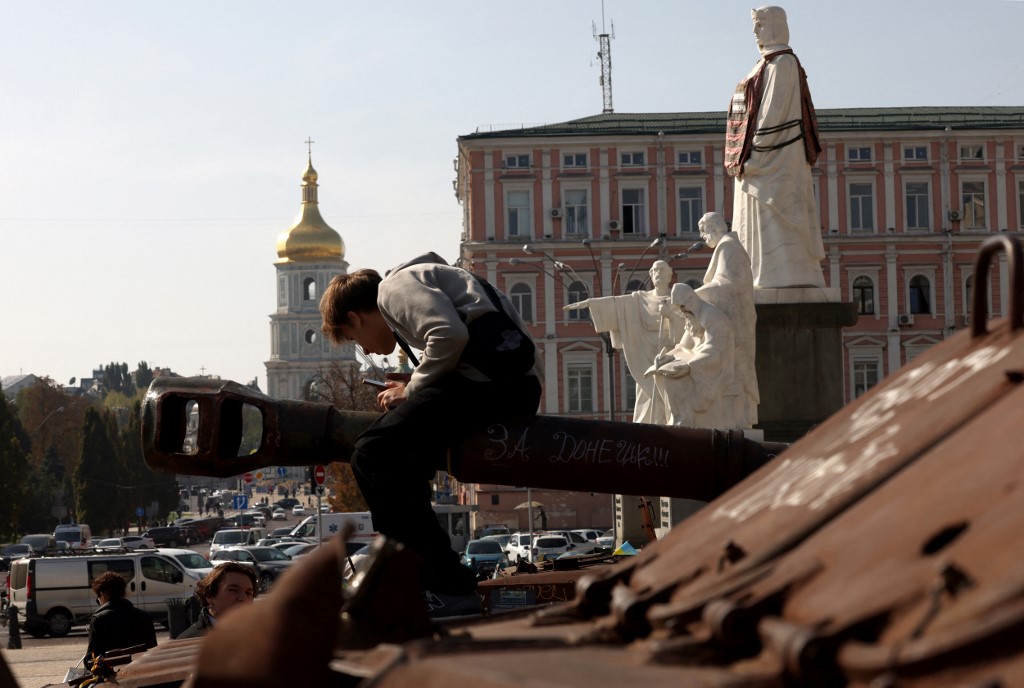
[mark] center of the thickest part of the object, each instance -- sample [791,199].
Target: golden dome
[310,239]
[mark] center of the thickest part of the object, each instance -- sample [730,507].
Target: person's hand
[576,306]
[392,396]
[675,371]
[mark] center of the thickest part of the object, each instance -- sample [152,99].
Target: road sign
[247,477]
[282,471]
[319,475]
[240,502]
[320,489]
[259,475]
[139,511]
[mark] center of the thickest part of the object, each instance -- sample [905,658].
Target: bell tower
[310,253]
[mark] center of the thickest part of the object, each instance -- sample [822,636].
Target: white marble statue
[694,380]
[729,286]
[641,324]
[771,143]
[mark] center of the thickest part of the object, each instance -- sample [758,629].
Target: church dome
[310,239]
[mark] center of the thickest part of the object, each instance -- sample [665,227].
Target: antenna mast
[604,40]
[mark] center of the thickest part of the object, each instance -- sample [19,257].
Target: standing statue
[771,143]
[695,379]
[642,324]
[729,286]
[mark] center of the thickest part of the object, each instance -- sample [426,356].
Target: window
[633,215]
[862,214]
[309,289]
[972,153]
[579,390]
[310,336]
[864,295]
[578,292]
[576,212]
[574,160]
[972,196]
[634,285]
[518,203]
[915,153]
[158,570]
[917,205]
[691,207]
[920,295]
[495,500]
[522,298]
[968,295]
[691,157]
[632,159]
[122,567]
[865,376]
[629,392]
[517,162]
[859,154]
[1020,202]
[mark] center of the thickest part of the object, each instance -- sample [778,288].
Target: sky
[151,152]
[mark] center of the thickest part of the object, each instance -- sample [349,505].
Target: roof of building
[12,384]
[846,119]
[310,239]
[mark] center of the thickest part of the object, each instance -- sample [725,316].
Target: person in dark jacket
[227,586]
[117,624]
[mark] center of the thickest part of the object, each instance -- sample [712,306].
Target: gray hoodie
[422,300]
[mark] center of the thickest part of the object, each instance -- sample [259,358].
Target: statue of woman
[771,143]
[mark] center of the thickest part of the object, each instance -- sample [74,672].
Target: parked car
[172,536]
[298,510]
[279,514]
[40,543]
[12,552]
[272,540]
[483,556]
[575,539]
[298,549]
[502,540]
[77,535]
[495,529]
[235,537]
[518,547]
[589,534]
[268,562]
[548,547]
[286,503]
[192,562]
[128,542]
[287,530]
[607,539]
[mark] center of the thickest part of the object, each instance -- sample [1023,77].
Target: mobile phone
[374,383]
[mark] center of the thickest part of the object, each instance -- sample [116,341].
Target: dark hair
[356,292]
[210,585]
[110,584]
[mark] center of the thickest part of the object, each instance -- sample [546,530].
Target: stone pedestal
[799,364]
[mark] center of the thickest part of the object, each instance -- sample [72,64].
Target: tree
[144,485]
[14,468]
[117,379]
[342,385]
[100,476]
[143,375]
[54,421]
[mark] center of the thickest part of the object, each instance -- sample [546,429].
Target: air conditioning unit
[556,213]
[954,216]
[906,319]
[614,224]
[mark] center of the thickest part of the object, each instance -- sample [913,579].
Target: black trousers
[396,457]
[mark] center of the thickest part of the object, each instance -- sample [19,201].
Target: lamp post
[59,409]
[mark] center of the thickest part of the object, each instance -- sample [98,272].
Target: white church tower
[309,255]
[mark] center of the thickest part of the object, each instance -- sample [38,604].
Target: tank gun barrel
[195,426]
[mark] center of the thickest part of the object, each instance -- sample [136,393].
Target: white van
[332,524]
[77,535]
[236,537]
[55,593]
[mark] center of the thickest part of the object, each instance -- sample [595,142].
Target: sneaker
[443,604]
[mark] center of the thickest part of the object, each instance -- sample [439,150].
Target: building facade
[556,213]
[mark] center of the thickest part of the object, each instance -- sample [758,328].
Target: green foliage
[117,379]
[100,475]
[13,468]
[144,485]
[143,375]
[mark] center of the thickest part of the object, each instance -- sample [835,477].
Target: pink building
[906,195]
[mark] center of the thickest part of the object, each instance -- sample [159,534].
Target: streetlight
[59,409]
[656,242]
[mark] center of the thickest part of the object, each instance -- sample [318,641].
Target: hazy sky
[151,152]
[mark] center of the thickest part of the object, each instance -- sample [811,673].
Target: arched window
[864,295]
[578,292]
[310,336]
[522,298]
[309,289]
[920,295]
